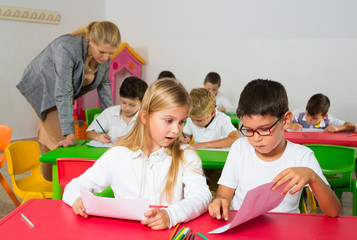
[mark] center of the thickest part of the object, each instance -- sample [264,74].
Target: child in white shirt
[316,116]
[265,156]
[208,127]
[151,162]
[212,82]
[117,121]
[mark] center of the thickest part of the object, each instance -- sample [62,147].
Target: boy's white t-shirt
[112,122]
[219,128]
[222,101]
[244,170]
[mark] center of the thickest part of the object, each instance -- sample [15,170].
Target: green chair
[90,113]
[338,164]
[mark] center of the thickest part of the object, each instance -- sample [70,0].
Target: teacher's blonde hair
[100,33]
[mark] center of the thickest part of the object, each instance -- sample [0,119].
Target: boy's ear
[143,115]
[288,116]
[324,117]
[213,113]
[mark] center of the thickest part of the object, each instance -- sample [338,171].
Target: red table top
[53,219]
[340,138]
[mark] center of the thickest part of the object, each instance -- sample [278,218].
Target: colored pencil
[175,230]
[202,236]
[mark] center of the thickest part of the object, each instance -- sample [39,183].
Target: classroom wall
[20,42]
[309,46]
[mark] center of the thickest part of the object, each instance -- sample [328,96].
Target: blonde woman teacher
[69,67]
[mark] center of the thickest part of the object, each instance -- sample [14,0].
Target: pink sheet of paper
[258,201]
[131,209]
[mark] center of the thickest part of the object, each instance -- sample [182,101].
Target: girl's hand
[79,209]
[157,219]
[298,177]
[219,208]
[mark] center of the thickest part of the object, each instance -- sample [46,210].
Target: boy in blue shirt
[316,116]
[264,156]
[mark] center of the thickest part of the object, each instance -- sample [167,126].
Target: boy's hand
[331,128]
[103,138]
[79,209]
[219,208]
[295,126]
[298,177]
[157,219]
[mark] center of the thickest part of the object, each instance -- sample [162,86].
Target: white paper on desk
[215,149]
[258,201]
[131,209]
[95,143]
[307,130]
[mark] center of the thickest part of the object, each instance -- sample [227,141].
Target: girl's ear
[288,116]
[143,115]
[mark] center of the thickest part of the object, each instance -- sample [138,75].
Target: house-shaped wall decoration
[126,59]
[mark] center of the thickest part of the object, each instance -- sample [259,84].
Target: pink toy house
[125,62]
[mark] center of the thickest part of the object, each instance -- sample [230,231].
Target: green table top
[211,159]
[234,118]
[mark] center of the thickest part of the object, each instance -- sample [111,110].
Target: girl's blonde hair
[100,33]
[161,94]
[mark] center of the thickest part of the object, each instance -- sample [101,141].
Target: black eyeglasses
[261,131]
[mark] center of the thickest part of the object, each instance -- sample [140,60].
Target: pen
[348,132]
[201,235]
[352,135]
[100,125]
[84,142]
[183,135]
[27,220]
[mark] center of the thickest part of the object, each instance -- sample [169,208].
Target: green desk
[211,159]
[234,119]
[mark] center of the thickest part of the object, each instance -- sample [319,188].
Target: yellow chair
[5,139]
[23,157]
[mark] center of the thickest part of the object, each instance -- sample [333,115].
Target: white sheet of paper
[216,149]
[131,209]
[95,143]
[306,130]
[258,201]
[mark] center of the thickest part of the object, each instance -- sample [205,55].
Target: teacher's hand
[70,140]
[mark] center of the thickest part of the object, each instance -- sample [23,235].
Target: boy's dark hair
[318,104]
[213,78]
[166,74]
[133,87]
[263,97]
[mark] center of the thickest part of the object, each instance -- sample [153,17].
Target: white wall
[20,42]
[309,46]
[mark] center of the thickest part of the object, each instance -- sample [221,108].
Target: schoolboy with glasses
[264,156]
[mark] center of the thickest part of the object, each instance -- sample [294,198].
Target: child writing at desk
[151,162]
[316,116]
[209,127]
[264,156]
[117,120]
[212,82]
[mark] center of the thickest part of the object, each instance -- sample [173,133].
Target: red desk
[53,219]
[340,138]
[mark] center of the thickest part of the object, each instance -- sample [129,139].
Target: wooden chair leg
[9,191]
